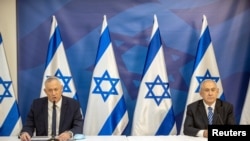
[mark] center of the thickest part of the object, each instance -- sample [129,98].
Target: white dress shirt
[58,112]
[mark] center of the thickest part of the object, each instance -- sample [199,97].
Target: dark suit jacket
[70,119]
[196,116]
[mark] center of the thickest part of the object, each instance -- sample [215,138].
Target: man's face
[209,92]
[53,89]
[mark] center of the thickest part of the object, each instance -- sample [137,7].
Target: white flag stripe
[53,26]
[17,128]
[245,114]
[10,119]
[5,106]
[150,114]
[205,67]
[106,113]
[58,63]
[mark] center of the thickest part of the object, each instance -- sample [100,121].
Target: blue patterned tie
[210,115]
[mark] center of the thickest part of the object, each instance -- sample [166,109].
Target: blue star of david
[6,92]
[157,97]
[101,90]
[206,76]
[65,80]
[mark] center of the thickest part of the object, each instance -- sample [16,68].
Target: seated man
[197,119]
[69,119]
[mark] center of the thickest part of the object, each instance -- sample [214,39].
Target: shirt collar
[206,106]
[58,104]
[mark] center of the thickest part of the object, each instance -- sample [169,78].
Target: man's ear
[200,94]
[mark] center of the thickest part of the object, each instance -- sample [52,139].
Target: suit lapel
[45,113]
[203,113]
[63,112]
[217,113]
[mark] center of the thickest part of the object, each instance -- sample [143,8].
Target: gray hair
[51,78]
[205,80]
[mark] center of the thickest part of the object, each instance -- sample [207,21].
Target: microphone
[218,114]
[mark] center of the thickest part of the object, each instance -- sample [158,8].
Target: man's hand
[24,136]
[205,133]
[65,136]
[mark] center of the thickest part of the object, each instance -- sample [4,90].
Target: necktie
[54,120]
[210,115]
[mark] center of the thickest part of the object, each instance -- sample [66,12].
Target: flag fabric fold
[57,63]
[10,119]
[205,67]
[153,114]
[106,112]
[245,118]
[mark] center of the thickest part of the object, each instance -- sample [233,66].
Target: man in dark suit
[197,121]
[69,119]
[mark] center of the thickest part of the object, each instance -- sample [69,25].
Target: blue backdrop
[130,23]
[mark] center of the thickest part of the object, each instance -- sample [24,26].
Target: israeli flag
[154,113]
[205,67]
[10,119]
[106,112]
[57,63]
[245,118]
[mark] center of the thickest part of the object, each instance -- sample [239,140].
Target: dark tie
[54,120]
[210,115]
